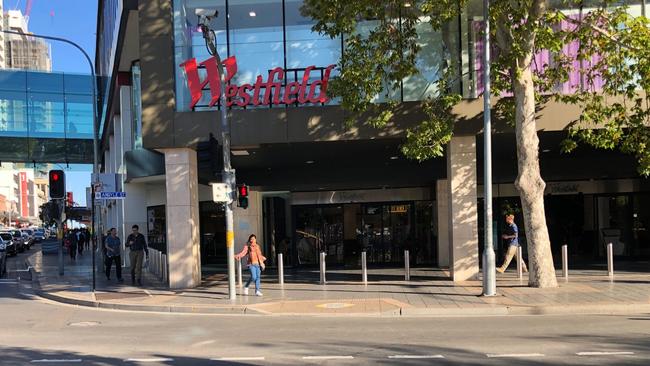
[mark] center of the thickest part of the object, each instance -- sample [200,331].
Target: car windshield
[6,236]
[17,233]
[29,232]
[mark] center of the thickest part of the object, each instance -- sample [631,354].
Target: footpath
[429,292]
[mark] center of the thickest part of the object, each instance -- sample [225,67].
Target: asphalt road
[37,331]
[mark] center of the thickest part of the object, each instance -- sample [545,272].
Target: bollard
[364,268]
[322,268]
[520,267]
[240,283]
[407,266]
[280,269]
[565,261]
[610,260]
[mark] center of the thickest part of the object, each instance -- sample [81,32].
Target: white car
[39,235]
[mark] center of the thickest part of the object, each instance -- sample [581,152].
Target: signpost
[110,195]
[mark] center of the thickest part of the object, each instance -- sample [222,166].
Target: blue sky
[74,20]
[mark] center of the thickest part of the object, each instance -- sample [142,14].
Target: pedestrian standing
[511,237]
[255,263]
[80,241]
[138,246]
[113,255]
[72,248]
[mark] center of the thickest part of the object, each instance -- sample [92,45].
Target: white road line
[328,358]
[416,356]
[604,353]
[8,281]
[204,343]
[238,359]
[149,360]
[56,360]
[514,355]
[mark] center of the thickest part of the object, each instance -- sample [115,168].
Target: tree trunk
[529,182]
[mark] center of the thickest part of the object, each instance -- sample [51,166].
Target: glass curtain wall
[264,34]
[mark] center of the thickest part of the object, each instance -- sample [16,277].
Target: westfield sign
[261,93]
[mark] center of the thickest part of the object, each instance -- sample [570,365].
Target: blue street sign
[110,195]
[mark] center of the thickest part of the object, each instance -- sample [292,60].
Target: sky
[75,20]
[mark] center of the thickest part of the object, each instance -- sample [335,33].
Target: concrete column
[442,202]
[463,225]
[184,257]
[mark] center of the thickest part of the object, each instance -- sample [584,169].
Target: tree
[376,60]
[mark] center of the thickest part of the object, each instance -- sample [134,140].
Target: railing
[158,264]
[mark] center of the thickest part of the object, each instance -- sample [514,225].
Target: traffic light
[209,160]
[242,196]
[57,184]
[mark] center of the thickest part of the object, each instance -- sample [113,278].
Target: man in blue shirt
[511,237]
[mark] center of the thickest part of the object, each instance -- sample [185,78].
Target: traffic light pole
[228,174]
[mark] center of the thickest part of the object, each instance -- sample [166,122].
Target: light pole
[489,266]
[228,174]
[95,125]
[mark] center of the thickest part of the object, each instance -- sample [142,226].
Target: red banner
[301,92]
[24,195]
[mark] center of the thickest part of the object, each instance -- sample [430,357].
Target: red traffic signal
[242,190]
[57,184]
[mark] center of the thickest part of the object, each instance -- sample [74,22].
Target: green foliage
[381,46]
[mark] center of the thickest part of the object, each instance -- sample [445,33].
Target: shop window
[157,228]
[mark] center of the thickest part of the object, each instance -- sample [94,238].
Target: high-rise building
[23,51]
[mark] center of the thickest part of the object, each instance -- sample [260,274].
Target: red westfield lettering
[272,89]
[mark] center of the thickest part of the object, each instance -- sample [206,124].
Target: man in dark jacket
[138,246]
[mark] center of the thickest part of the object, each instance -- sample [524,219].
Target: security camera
[206,15]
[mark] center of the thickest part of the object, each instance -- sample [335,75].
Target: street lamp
[228,175]
[489,265]
[95,125]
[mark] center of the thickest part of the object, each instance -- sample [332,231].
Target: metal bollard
[364,268]
[610,260]
[280,269]
[322,268]
[520,267]
[565,261]
[407,266]
[240,282]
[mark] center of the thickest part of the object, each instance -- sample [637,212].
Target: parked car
[29,241]
[3,257]
[8,243]
[39,235]
[19,241]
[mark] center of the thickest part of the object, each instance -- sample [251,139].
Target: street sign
[110,195]
[220,192]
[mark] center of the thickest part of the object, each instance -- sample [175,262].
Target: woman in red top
[255,263]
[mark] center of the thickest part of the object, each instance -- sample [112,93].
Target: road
[37,331]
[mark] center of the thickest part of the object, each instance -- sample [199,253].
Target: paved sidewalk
[429,293]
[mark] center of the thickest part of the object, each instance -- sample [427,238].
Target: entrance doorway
[213,236]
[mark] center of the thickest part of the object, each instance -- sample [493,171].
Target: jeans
[255,276]
[118,266]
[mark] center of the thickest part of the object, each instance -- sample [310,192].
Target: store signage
[250,94]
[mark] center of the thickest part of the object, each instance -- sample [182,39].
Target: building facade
[23,51]
[317,185]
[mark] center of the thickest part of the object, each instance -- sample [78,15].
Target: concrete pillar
[442,202]
[463,225]
[183,253]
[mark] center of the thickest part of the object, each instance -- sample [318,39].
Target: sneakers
[245,290]
[258,293]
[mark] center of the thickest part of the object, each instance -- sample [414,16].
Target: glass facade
[382,230]
[263,35]
[45,116]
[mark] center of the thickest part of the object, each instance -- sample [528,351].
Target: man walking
[511,236]
[113,255]
[138,246]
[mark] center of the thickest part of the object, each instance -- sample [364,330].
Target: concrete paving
[428,293]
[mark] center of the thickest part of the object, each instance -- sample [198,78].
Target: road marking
[204,343]
[604,353]
[56,360]
[328,358]
[416,356]
[149,360]
[238,359]
[514,355]
[8,281]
